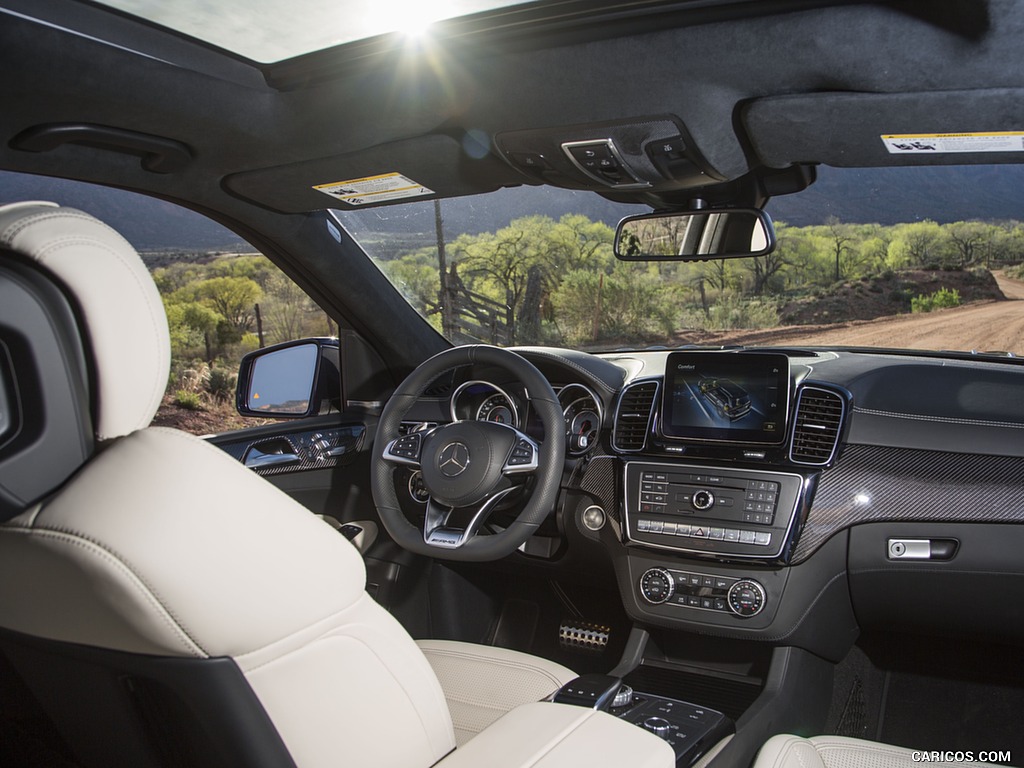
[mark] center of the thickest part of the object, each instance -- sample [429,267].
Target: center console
[688,728]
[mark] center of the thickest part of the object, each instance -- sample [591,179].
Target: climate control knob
[657,585]
[746,598]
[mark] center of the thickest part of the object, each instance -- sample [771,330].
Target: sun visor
[397,172]
[894,129]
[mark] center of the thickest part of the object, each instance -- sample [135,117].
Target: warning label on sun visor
[924,143]
[374,189]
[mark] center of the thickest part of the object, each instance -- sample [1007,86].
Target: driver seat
[165,605]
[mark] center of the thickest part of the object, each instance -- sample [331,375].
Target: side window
[222,298]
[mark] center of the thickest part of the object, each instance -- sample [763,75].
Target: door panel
[324,464]
[321,462]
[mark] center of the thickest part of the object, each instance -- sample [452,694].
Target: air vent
[633,417]
[819,420]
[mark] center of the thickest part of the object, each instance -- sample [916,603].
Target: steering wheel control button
[523,457]
[746,598]
[418,491]
[405,450]
[453,459]
[656,586]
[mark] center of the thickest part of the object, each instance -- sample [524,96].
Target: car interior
[774,555]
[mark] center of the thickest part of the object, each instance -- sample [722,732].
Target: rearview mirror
[695,235]
[290,380]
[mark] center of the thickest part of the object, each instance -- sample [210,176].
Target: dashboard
[784,495]
[582,410]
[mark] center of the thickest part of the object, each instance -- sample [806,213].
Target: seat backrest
[166,590]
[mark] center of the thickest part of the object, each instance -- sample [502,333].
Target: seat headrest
[121,318]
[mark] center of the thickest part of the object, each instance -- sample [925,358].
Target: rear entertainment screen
[726,396]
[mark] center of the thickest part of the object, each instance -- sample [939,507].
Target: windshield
[899,258]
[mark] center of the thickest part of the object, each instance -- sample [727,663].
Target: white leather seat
[162,547]
[482,683]
[785,751]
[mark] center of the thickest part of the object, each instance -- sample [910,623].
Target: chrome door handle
[257,459]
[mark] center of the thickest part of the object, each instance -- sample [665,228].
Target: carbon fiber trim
[312,447]
[878,484]
[599,480]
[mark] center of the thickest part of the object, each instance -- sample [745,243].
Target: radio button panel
[732,513]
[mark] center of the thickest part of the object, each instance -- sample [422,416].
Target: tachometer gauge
[582,411]
[483,401]
[498,409]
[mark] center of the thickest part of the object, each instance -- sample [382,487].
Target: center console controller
[690,729]
[733,513]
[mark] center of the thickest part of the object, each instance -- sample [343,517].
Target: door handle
[257,459]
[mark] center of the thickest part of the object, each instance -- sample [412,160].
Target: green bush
[732,312]
[941,299]
[190,401]
[221,384]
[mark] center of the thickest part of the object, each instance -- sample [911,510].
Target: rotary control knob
[657,585]
[659,726]
[623,697]
[746,598]
[703,500]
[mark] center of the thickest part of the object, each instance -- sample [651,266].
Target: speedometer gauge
[582,411]
[484,401]
[498,409]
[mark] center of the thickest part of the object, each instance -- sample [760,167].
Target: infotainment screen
[738,397]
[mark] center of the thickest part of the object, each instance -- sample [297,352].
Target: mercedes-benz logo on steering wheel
[453,459]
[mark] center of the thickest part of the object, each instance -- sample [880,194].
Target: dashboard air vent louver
[633,417]
[818,424]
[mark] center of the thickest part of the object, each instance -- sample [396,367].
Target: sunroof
[267,31]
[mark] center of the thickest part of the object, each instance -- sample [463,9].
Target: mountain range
[880,195]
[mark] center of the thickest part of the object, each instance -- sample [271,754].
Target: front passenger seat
[786,751]
[165,605]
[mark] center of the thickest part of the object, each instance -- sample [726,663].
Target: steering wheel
[468,464]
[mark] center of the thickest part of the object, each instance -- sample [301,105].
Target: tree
[917,244]
[505,259]
[969,239]
[764,268]
[192,326]
[576,242]
[445,296]
[839,241]
[233,298]
[287,309]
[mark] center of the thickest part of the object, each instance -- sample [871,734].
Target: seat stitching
[143,588]
[517,665]
[373,651]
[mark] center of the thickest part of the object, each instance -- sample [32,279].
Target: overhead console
[654,153]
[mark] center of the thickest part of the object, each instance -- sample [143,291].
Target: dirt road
[983,326]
